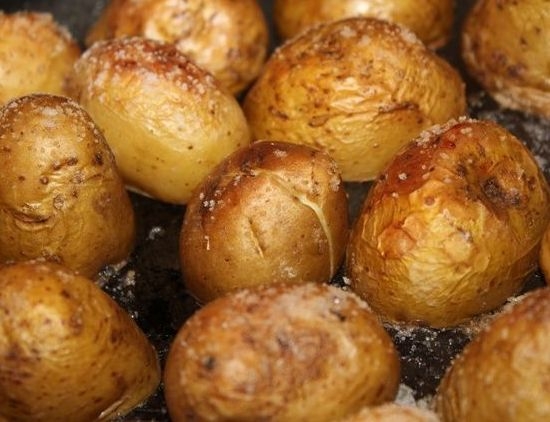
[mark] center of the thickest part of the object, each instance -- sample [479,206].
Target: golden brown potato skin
[502,375]
[68,352]
[61,197]
[228,38]
[358,89]
[505,47]
[430,20]
[36,55]
[280,353]
[451,228]
[391,412]
[168,121]
[271,211]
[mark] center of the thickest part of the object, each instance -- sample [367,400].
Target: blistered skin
[61,197]
[451,228]
[282,353]
[358,89]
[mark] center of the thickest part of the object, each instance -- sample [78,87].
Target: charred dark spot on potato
[209,363]
[116,336]
[21,178]
[498,196]
[339,315]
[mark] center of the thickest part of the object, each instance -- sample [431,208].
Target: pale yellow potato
[272,211]
[61,197]
[451,228]
[167,120]
[391,412]
[36,54]
[68,352]
[308,352]
[228,38]
[505,48]
[357,88]
[430,20]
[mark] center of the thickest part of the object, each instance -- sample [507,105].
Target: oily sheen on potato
[281,353]
[358,88]
[167,121]
[452,227]
[61,197]
[68,352]
[271,211]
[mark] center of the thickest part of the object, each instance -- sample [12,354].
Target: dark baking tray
[149,285]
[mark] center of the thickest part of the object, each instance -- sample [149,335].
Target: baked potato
[61,197]
[451,228]
[392,412]
[503,374]
[68,352]
[270,211]
[228,38]
[167,120]
[280,353]
[505,48]
[36,54]
[358,88]
[430,20]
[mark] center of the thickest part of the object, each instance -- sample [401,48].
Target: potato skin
[513,64]
[272,211]
[392,412]
[61,197]
[430,20]
[36,55]
[228,38]
[452,227]
[68,352]
[357,88]
[503,374]
[167,121]
[280,353]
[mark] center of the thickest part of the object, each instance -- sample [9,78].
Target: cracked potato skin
[280,353]
[61,197]
[451,228]
[272,211]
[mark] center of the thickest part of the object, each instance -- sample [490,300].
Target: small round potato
[504,373]
[167,121]
[452,227]
[505,47]
[36,55]
[309,352]
[430,20]
[68,352]
[391,412]
[271,211]
[357,88]
[61,197]
[226,37]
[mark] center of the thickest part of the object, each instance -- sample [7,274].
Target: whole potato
[61,197]
[167,121]
[270,211]
[228,38]
[505,48]
[308,352]
[452,227]
[391,412]
[36,54]
[504,373]
[68,352]
[357,88]
[430,20]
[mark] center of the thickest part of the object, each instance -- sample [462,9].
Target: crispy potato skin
[167,121]
[391,412]
[357,88]
[271,211]
[451,228]
[502,375]
[61,197]
[68,352]
[36,55]
[280,353]
[430,20]
[512,64]
[228,38]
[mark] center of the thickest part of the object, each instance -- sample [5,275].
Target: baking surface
[149,285]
